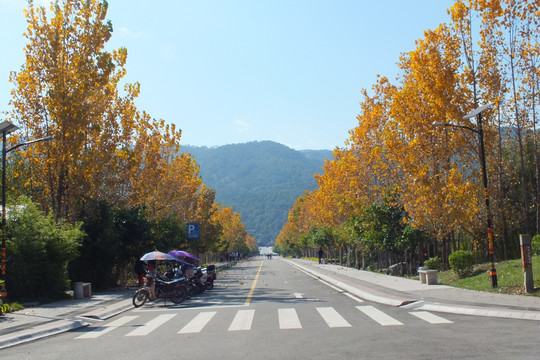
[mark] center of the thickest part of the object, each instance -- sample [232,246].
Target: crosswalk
[288,319]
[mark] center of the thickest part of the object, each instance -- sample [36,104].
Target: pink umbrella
[157,255]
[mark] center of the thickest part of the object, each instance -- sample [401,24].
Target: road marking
[198,323]
[187,307]
[248,299]
[242,320]
[353,297]
[288,319]
[298,295]
[331,286]
[379,316]
[430,318]
[151,325]
[332,317]
[98,331]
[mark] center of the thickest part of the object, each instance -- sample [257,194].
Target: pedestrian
[152,273]
[321,253]
[140,271]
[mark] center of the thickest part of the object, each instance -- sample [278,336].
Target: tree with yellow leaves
[68,88]
[233,236]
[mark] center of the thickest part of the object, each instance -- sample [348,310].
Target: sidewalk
[44,320]
[34,323]
[398,291]
[37,322]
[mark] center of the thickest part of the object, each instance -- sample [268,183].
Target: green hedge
[434,263]
[462,262]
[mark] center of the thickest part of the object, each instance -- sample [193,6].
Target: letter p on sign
[193,231]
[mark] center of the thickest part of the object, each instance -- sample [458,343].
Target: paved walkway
[49,319]
[398,291]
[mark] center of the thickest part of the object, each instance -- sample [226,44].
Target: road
[268,309]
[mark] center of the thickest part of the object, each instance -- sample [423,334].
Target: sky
[235,71]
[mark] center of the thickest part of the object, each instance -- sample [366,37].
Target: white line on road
[430,318]
[97,332]
[151,325]
[379,316]
[242,320]
[288,319]
[354,297]
[331,286]
[332,317]
[198,323]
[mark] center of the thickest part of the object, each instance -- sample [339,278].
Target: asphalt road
[267,309]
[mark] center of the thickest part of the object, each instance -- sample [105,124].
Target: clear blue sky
[233,71]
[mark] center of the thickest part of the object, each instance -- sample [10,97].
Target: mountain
[260,180]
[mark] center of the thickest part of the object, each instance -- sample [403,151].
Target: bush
[6,308]
[434,263]
[372,268]
[535,247]
[462,262]
[39,249]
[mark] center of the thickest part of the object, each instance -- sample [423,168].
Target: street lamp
[477,113]
[5,128]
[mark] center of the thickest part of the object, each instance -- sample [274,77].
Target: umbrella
[157,255]
[184,254]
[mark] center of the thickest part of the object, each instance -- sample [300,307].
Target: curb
[481,311]
[106,311]
[39,332]
[381,298]
[61,326]
[363,292]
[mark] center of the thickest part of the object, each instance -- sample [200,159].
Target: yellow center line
[248,300]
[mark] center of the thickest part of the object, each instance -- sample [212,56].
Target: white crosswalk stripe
[198,323]
[379,316]
[244,318]
[288,319]
[430,318]
[332,317]
[97,332]
[151,325]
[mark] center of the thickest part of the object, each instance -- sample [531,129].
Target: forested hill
[259,180]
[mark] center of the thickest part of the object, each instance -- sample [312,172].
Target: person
[150,276]
[321,253]
[140,271]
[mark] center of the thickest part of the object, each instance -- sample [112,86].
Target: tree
[68,88]
[234,236]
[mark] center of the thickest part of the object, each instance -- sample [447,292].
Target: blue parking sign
[193,231]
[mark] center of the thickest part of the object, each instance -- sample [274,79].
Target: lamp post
[477,113]
[5,128]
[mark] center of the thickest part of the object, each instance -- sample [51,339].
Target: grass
[510,278]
